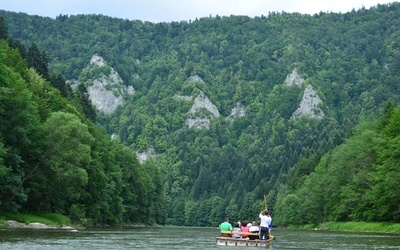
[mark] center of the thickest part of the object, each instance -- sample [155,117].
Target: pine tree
[38,60]
[3,29]
[87,106]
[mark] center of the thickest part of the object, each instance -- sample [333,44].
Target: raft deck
[240,242]
[244,242]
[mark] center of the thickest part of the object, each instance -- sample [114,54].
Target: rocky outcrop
[201,111]
[144,156]
[202,102]
[294,79]
[183,97]
[106,91]
[309,105]
[237,111]
[195,78]
[34,225]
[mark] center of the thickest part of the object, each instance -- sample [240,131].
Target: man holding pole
[265,222]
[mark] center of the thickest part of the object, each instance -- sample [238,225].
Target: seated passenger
[254,229]
[244,228]
[236,228]
[225,226]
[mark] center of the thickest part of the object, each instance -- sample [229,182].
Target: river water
[184,238]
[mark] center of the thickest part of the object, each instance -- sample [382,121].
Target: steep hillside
[228,105]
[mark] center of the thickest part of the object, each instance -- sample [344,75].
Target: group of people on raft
[263,228]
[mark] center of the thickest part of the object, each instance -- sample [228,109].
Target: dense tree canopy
[53,159]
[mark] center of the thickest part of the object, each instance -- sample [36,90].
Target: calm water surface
[184,238]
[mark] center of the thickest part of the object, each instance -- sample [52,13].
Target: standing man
[225,226]
[265,222]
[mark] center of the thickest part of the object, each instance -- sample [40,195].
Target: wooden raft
[229,241]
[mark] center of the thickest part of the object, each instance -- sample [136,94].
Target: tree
[3,29]
[385,192]
[58,81]
[18,127]
[87,106]
[66,158]
[39,60]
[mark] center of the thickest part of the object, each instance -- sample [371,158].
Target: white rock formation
[201,102]
[198,122]
[195,78]
[294,79]
[144,156]
[237,111]
[104,99]
[106,92]
[97,60]
[183,97]
[309,105]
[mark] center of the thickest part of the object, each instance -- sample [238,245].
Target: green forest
[57,155]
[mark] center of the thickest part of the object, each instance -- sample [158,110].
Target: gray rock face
[237,111]
[107,91]
[195,78]
[201,119]
[294,79]
[309,105]
[183,97]
[202,102]
[104,100]
[144,156]
[198,122]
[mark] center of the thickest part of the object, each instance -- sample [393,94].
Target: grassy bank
[376,227]
[50,219]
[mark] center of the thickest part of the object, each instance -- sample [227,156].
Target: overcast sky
[178,10]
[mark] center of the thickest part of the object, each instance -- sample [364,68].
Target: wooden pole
[265,202]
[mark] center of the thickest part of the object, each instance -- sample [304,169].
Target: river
[184,238]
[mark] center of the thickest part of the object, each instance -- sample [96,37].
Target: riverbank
[35,221]
[373,227]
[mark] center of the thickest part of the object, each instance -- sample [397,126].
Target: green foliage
[3,29]
[53,159]
[95,72]
[18,125]
[38,60]
[66,154]
[356,181]
[45,218]
[362,227]
[87,107]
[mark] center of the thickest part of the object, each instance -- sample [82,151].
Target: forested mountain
[269,68]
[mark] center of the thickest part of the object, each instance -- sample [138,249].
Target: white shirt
[254,229]
[265,220]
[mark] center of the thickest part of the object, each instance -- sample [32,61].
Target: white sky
[178,10]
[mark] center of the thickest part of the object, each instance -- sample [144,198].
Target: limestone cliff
[144,156]
[201,111]
[309,105]
[237,111]
[106,90]
[294,79]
